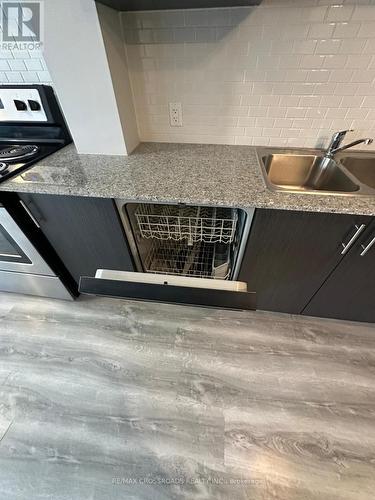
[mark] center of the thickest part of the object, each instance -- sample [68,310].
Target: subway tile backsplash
[23,67]
[285,73]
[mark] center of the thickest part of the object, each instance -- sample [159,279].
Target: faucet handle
[337,139]
[342,133]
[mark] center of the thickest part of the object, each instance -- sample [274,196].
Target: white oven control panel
[21,105]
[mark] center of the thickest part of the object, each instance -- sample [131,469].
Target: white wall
[77,60]
[113,38]
[284,73]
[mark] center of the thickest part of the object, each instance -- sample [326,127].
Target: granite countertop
[189,173]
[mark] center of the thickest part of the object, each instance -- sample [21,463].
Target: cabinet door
[86,233]
[349,293]
[290,254]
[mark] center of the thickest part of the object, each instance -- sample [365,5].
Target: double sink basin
[308,171]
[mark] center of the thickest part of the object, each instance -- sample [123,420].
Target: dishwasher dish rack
[194,224]
[202,260]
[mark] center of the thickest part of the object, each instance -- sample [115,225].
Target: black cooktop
[15,158]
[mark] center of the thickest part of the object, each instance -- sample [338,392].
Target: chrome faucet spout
[336,141]
[366,142]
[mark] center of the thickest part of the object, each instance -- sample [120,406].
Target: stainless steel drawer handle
[347,246]
[367,247]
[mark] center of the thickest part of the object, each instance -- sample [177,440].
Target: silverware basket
[194,224]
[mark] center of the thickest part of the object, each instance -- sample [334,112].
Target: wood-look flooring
[107,399]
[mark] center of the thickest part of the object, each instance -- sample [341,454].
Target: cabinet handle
[367,247]
[27,210]
[347,246]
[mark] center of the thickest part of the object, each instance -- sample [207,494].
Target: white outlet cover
[175,114]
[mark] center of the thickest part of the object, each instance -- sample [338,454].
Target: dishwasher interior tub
[186,241]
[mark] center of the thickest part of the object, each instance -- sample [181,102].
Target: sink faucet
[336,141]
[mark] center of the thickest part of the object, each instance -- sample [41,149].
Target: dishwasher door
[169,289]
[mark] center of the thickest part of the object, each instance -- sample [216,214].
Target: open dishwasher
[182,253]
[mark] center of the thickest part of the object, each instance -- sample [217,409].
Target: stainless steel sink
[363,168]
[308,171]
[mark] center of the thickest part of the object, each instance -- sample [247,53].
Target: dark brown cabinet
[290,255]
[86,233]
[349,292]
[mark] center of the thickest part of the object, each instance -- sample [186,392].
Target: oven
[22,267]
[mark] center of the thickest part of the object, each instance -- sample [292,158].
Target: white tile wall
[22,67]
[286,72]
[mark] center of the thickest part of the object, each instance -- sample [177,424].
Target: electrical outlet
[175,114]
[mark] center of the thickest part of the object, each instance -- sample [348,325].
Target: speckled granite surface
[190,173]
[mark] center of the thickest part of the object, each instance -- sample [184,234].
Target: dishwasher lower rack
[201,260]
[190,223]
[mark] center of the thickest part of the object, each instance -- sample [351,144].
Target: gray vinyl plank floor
[106,399]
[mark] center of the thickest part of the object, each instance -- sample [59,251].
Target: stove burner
[18,152]
[3,167]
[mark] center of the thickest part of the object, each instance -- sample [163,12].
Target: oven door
[17,254]
[170,289]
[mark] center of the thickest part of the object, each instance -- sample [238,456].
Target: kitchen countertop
[189,173]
